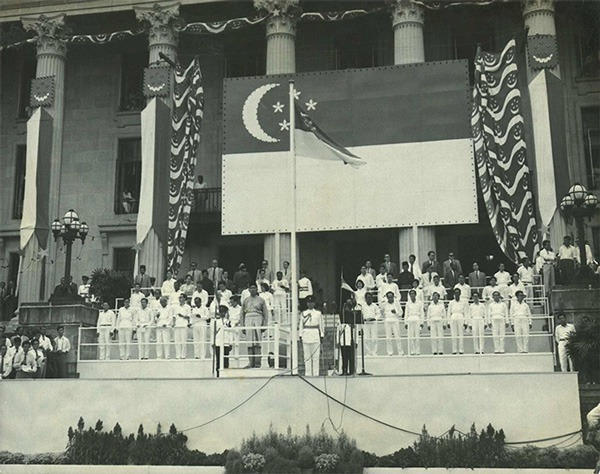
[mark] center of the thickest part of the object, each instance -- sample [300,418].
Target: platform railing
[542,330]
[275,342]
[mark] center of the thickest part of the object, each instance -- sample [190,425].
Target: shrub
[289,453]
[108,285]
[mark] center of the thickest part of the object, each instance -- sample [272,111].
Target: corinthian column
[44,123]
[151,238]
[280,34]
[407,21]
[281,59]
[162,37]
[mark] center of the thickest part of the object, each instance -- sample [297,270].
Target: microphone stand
[361,333]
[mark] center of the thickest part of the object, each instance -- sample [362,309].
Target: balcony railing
[206,200]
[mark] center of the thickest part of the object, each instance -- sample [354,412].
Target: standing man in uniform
[199,321]
[345,338]
[477,320]
[254,315]
[105,328]
[305,290]
[414,318]
[498,314]
[312,330]
[520,320]
[143,320]
[125,325]
[561,334]
[392,314]
[164,323]
[457,316]
[436,319]
[181,313]
[371,315]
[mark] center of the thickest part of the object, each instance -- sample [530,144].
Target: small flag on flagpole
[346,286]
[312,142]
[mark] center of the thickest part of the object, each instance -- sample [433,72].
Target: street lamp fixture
[578,203]
[69,230]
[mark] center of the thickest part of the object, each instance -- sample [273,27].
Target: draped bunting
[221,26]
[188,103]
[501,153]
[20,43]
[104,38]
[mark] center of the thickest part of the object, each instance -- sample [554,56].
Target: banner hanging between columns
[188,105]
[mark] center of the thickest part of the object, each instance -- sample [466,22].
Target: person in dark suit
[144,280]
[452,265]
[430,262]
[390,267]
[477,278]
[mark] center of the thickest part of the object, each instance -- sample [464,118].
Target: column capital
[283,15]
[531,7]
[406,12]
[277,8]
[50,30]
[162,18]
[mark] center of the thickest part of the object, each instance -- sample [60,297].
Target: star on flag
[296,94]
[311,105]
[278,107]
[285,125]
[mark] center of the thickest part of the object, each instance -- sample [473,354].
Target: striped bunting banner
[501,153]
[188,104]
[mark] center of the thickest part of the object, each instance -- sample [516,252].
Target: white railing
[275,343]
[540,338]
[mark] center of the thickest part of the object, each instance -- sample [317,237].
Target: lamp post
[578,203]
[69,230]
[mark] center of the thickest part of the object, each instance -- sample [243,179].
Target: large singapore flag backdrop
[410,124]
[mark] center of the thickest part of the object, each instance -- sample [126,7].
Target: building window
[588,45]
[124,260]
[590,118]
[19,183]
[26,75]
[132,80]
[129,176]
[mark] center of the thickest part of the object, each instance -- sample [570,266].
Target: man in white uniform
[168,286]
[181,313]
[436,320]
[498,314]
[561,334]
[477,320]
[392,314]
[105,328]
[457,316]
[305,290]
[371,315]
[525,272]
[520,320]
[164,323]
[135,300]
[312,330]
[414,319]
[144,318]
[199,321]
[125,328]
[280,288]
[388,286]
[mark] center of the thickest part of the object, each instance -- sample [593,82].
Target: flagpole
[294,251]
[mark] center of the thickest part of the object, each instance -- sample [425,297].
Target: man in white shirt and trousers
[312,330]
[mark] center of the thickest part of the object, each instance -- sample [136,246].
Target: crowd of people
[207,307]
[33,356]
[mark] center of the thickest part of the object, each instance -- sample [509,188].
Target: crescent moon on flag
[250,114]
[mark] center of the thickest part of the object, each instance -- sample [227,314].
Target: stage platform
[216,414]
[377,365]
